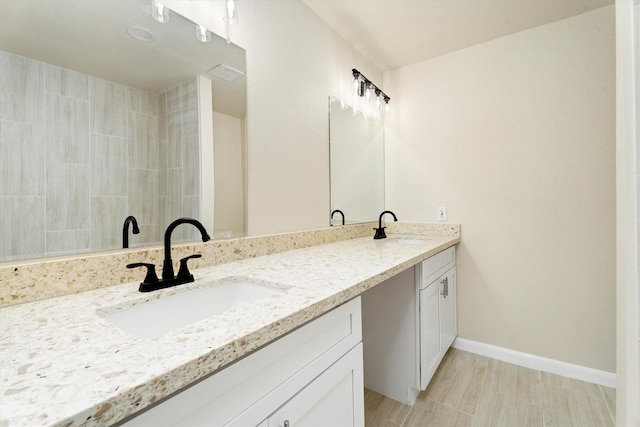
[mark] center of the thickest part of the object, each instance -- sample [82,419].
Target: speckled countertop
[64,364]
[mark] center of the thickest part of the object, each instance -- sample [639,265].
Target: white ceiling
[395,33]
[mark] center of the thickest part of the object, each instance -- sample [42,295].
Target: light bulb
[378,102]
[203,34]
[356,85]
[386,106]
[367,93]
[159,12]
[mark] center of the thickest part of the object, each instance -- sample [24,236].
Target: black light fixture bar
[365,82]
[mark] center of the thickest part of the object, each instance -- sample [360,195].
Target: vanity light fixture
[159,12]
[202,33]
[363,87]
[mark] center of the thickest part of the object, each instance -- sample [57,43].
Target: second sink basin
[154,318]
[408,240]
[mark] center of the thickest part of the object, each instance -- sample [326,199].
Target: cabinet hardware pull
[445,287]
[286,423]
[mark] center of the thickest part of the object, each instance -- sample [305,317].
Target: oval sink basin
[408,240]
[154,318]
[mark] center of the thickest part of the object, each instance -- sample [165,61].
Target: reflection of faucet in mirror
[151,281]
[337,211]
[125,230]
[380,234]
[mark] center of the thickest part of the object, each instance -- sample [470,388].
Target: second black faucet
[380,234]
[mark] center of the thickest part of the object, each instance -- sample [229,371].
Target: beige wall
[294,62]
[516,137]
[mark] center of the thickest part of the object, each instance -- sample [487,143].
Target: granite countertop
[64,364]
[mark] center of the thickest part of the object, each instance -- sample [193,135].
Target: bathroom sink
[154,318]
[408,240]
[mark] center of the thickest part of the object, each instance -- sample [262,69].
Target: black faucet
[151,281]
[380,234]
[125,230]
[340,212]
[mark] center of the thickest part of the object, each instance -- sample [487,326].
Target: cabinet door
[429,332]
[448,323]
[334,398]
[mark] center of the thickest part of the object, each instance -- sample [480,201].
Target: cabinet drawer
[436,265]
[242,387]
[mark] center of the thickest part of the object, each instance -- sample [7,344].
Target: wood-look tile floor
[472,390]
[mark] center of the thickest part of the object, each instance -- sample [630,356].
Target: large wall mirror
[106,112]
[356,146]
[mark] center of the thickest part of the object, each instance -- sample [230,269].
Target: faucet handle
[183,272]
[151,276]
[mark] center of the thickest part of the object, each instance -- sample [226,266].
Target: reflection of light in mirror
[232,12]
[203,34]
[159,12]
[231,16]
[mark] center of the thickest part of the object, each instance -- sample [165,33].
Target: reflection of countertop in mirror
[64,364]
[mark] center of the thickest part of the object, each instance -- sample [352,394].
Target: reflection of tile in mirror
[143,140]
[21,159]
[67,196]
[22,80]
[67,83]
[67,130]
[108,107]
[189,108]
[67,241]
[191,168]
[190,208]
[107,217]
[174,194]
[22,235]
[174,100]
[108,165]
[141,101]
[174,140]
[143,200]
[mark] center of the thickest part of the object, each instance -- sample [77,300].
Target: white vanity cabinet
[409,322]
[311,376]
[436,279]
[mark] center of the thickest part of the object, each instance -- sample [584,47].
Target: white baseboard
[536,362]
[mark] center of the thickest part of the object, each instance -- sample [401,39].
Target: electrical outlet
[442,213]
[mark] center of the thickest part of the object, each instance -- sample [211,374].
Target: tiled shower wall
[180,159]
[78,154]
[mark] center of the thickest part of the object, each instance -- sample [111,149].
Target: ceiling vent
[226,73]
